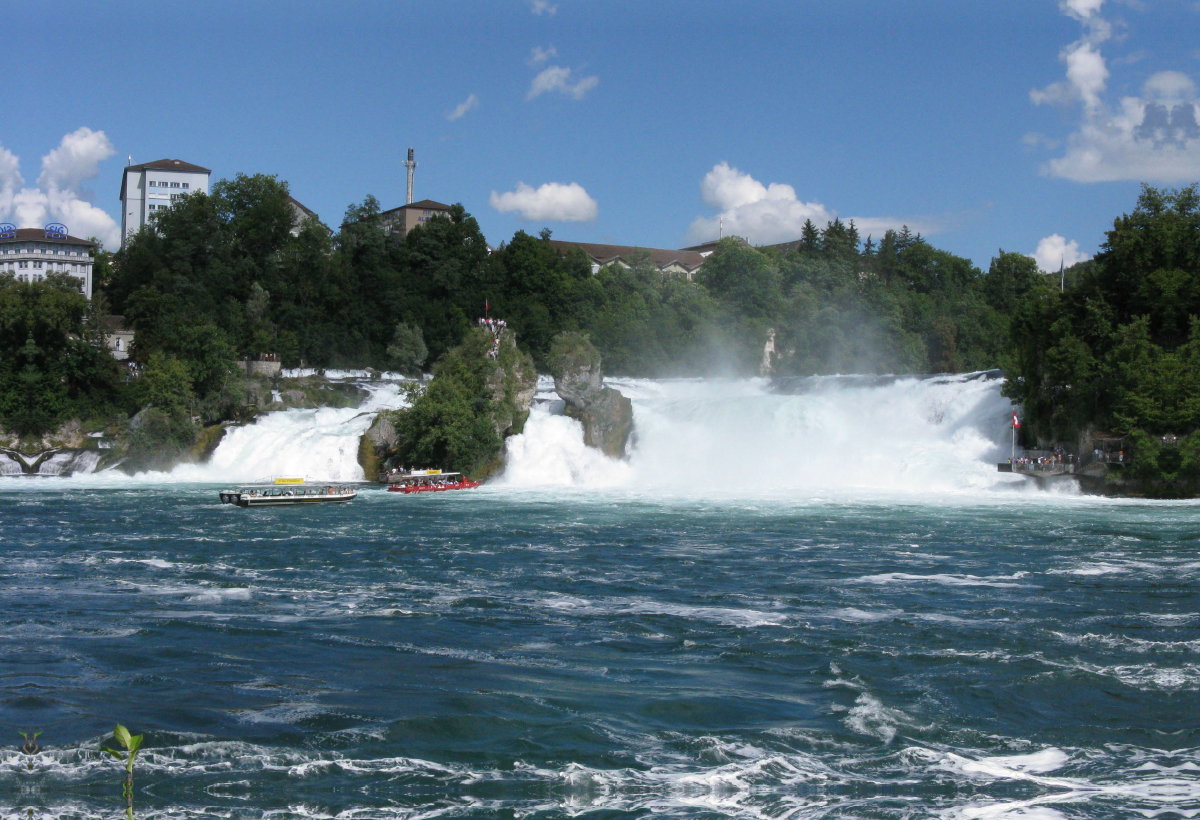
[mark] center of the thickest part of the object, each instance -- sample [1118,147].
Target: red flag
[485,306]
[1015,422]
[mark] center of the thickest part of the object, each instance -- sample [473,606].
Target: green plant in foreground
[131,743]
[30,747]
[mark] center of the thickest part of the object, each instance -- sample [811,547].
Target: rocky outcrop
[606,415]
[512,385]
[377,444]
[480,394]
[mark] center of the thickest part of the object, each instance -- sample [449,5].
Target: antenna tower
[411,165]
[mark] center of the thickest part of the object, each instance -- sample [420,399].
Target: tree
[810,238]
[53,361]
[1120,350]
[1009,278]
[407,352]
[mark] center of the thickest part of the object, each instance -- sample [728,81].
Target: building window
[37,264]
[185,185]
[22,264]
[174,184]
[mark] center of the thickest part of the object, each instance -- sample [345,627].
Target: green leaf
[117,755]
[135,743]
[22,734]
[122,735]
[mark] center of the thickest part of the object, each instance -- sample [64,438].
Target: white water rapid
[742,438]
[818,437]
[318,444]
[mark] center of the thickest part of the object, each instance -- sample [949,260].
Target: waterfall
[752,438]
[319,444]
[757,438]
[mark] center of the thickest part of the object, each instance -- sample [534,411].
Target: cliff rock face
[606,415]
[512,385]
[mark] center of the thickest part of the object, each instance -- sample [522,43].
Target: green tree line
[230,273]
[1117,352]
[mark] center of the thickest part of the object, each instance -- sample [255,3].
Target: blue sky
[985,125]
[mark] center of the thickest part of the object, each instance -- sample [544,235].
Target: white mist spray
[738,438]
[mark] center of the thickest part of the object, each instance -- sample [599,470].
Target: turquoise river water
[837,609]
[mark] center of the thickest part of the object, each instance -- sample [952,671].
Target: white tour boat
[288,491]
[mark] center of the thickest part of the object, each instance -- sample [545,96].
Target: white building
[29,254]
[153,186]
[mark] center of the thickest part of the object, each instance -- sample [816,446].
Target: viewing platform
[1046,466]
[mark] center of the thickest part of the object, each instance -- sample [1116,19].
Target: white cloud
[1054,251]
[557,78]
[540,7]
[76,158]
[463,107]
[552,202]
[1154,137]
[767,214]
[60,196]
[539,55]
[10,180]
[1082,9]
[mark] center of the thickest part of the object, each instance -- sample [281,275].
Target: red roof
[168,165]
[162,165]
[39,235]
[424,204]
[603,254]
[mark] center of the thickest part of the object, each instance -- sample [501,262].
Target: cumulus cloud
[1054,251]
[59,195]
[1082,9]
[768,214]
[540,7]
[558,78]
[463,107]
[10,180]
[552,202]
[539,55]
[1151,137]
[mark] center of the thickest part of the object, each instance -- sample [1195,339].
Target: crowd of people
[496,326]
[1056,461]
[1062,461]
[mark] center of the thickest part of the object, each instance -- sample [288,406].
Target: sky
[1024,125]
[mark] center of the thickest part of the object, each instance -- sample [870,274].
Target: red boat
[429,481]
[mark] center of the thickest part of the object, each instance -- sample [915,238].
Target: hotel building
[154,186]
[29,254]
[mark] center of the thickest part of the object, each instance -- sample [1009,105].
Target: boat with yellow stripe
[287,490]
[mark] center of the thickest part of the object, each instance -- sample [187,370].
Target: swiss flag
[1015,422]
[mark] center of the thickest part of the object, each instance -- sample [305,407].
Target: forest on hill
[225,271]
[229,274]
[1117,353]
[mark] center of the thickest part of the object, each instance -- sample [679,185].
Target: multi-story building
[30,254]
[154,186]
[399,221]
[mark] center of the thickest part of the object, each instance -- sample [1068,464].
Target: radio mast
[411,166]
